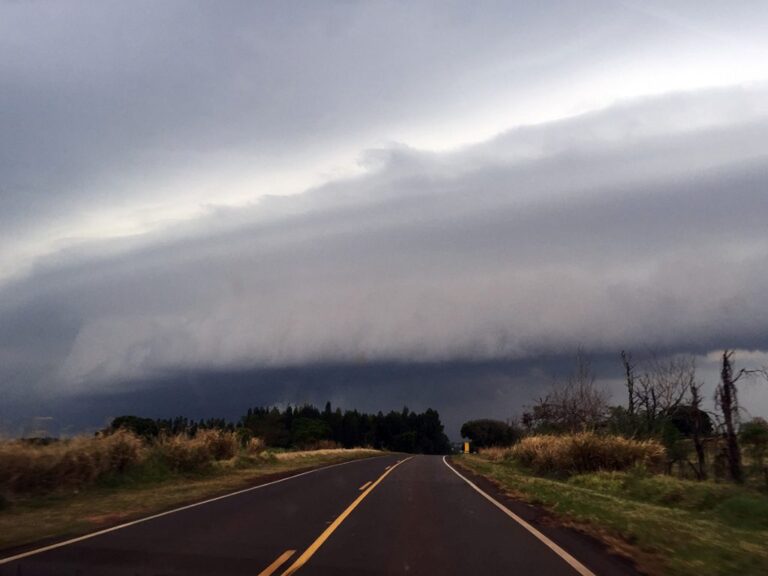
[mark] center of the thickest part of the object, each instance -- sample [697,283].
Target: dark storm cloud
[648,239]
[640,224]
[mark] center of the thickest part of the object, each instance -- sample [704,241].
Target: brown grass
[255,445]
[328,452]
[68,463]
[496,453]
[35,469]
[188,454]
[585,452]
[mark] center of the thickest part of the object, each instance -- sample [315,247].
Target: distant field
[668,525]
[144,490]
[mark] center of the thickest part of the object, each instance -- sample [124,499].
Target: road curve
[387,515]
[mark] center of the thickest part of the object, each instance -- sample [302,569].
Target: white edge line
[167,512]
[575,564]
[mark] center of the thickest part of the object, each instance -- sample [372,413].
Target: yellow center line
[282,559]
[364,486]
[315,546]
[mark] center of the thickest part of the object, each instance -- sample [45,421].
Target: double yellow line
[315,546]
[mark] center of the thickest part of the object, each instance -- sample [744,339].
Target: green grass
[141,491]
[669,526]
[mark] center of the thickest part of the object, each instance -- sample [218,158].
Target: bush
[256,445]
[184,454]
[122,450]
[586,452]
[486,433]
[221,445]
[144,427]
[191,454]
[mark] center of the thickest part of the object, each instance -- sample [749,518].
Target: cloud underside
[591,232]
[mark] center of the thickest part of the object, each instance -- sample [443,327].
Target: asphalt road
[388,515]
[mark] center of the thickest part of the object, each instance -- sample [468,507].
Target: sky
[378,203]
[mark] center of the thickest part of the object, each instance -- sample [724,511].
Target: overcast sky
[198,187]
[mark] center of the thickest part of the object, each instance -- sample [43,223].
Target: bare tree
[700,469]
[629,371]
[576,404]
[672,379]
[727,399]
[662,386]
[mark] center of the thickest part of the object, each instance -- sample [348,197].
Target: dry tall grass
[28,468]
[188,454]
[587,452]
[322,452]
[255,445]
[66,464]
[496,452]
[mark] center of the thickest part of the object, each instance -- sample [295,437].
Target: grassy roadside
[65,514]
[669,526]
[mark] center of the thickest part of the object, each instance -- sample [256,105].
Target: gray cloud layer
[119,116]
[604,240]
[642,223]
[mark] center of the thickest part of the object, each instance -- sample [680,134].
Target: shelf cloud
[243,190]
[487,253]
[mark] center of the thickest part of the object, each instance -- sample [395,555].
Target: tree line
[307,426]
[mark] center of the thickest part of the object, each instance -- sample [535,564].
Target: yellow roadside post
[466,447]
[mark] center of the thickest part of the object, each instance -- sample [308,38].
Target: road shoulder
[599,555]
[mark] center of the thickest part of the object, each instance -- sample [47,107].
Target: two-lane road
[387,515]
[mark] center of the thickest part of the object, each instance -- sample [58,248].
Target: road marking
[315,546]
[282,559]
[575,564]
[364,486]
[167,512]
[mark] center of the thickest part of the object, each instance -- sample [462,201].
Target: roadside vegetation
[679,489]
[139,466]
[75,486]
[145,489]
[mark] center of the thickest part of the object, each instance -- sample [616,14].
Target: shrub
[144,427]
[586,452]
[184,454]
[221,445]
[256,445]
[244,436]
[122,450]
[486,433]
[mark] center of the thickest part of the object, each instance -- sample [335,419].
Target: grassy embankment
[667,525]
[86,484]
